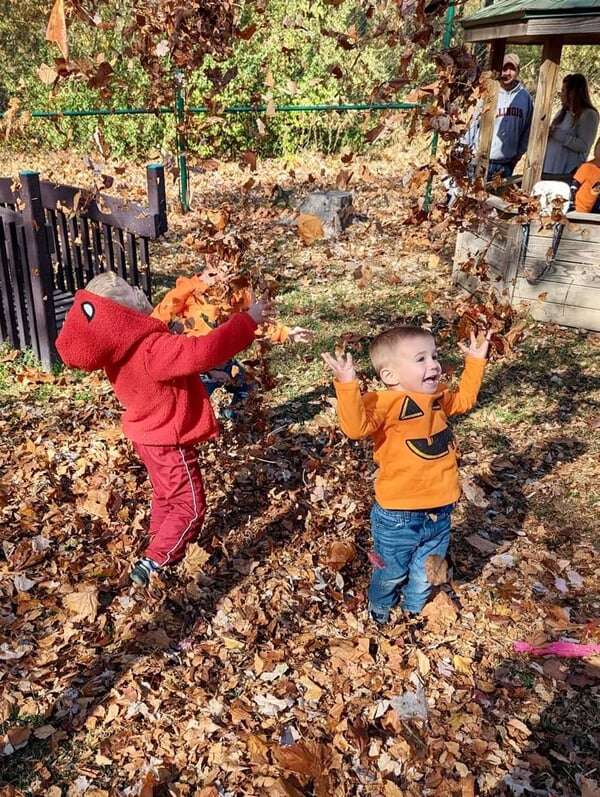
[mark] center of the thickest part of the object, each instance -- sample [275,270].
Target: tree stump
[333,208]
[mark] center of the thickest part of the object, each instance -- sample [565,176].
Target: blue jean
[404,539]
[238,386]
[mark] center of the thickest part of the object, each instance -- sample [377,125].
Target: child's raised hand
[300,335]
[479,347]
[341,365]
[261,311]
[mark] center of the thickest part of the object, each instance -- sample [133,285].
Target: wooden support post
[488,117]
[39,264]
[542,110]
[157,198]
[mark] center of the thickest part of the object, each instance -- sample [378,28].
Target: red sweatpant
[178,502]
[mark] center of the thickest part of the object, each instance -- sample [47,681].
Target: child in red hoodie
[167,411]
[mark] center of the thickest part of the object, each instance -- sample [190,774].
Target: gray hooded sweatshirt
[511,125]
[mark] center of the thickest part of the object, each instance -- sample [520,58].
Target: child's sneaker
[143,571]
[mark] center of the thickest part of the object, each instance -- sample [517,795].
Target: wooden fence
[55,238]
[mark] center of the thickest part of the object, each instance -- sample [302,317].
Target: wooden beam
[542,110]
[497,31]
[488,116]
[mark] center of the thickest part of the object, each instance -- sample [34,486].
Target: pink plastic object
[567,650]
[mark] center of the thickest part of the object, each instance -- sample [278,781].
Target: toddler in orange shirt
[586,184]
[417,483]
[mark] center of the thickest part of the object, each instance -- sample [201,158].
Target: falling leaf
[22,583]
[340,554]
[47,74]
[436,569]
[19,736]
[258,749]
[56,30]
[44,731]
[373,134]
[249,159]
[310,228]
[481,544]
[589,787]
[195,558]
[391,790]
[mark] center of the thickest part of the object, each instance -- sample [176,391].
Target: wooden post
[39,264]
[488,117]
[157,198]
[542,110]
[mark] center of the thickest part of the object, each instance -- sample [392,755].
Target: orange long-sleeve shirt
[189,305]
[413,445]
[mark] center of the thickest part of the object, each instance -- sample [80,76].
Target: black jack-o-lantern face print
[435,447]
[88,310]
[410,409]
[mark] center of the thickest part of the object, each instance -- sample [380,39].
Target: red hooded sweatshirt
[154,373]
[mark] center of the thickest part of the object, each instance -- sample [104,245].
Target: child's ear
[387,376]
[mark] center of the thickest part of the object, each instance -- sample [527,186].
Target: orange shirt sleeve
[454,402]
[360,416]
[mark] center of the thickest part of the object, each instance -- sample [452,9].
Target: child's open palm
[341,365]
[479,346]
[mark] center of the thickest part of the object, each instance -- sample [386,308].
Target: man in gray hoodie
[512,123]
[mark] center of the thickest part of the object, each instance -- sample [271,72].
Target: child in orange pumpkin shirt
[586,184]
[198,304]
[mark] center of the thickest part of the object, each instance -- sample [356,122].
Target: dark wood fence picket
[55,238]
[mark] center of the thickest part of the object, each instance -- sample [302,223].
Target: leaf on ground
[83,604]
[440,612]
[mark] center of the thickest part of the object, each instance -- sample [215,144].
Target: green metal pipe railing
[180,111]
[234,109]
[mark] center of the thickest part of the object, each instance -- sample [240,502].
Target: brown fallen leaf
[310,228]
[436,570]
[339,554]
[589,787]
[83,604]
[195,558]
[474,493]
[19,736]
[467,786]
[481,544]
[440,612]
[258,749]
[462,664]
[391,790]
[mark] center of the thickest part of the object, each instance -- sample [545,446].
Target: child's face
[413,366]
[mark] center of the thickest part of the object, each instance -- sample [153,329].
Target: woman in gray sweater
[572,132]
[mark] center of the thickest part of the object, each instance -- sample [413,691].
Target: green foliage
[288,61]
